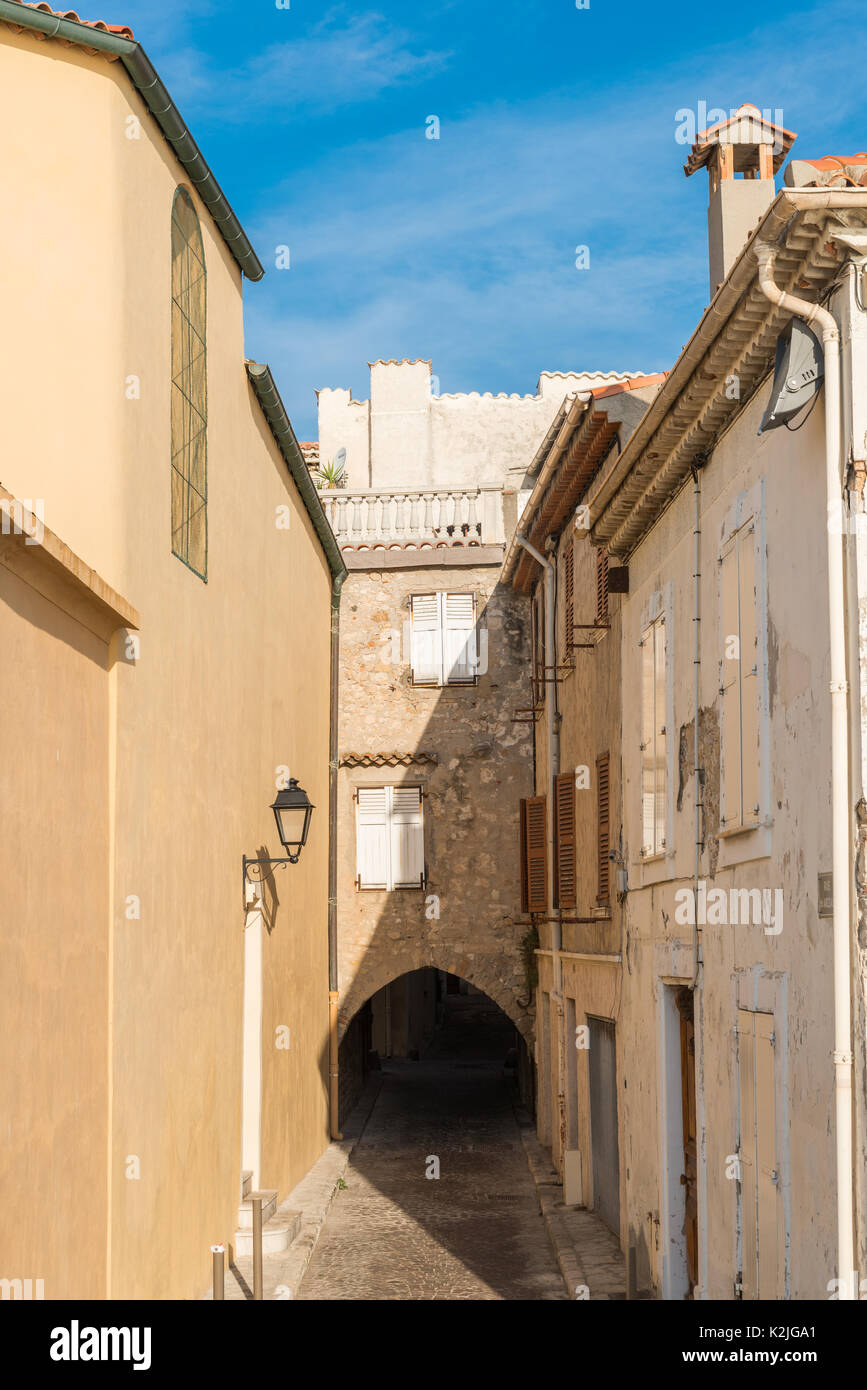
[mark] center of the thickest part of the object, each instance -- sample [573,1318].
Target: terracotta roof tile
[633,383]
[122,30]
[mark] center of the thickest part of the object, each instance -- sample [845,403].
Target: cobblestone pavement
[475,1232]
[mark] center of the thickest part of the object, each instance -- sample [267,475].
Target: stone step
[246,1183]
[245,1210]
[277,1235]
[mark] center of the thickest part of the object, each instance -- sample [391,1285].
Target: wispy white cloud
[342,59]
[462,249]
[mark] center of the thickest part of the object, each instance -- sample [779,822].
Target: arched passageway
[439,1200]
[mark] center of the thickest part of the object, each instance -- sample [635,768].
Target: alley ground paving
[473,1233]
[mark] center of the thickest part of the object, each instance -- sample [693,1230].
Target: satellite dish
[340,458]
[798,372]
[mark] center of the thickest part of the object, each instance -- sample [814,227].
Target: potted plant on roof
[332,474]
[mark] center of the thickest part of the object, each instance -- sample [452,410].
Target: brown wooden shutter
[525,905]
[604,830]
[569,577]
[536,841]
[564,811]
[602,586]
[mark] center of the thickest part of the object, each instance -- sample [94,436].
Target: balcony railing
[421,519]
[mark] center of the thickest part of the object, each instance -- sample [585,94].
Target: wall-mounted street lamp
[292,809]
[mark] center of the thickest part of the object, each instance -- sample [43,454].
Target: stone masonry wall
[464,922]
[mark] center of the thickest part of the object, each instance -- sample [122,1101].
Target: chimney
[742,154]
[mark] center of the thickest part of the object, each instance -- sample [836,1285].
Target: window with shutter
[739,686]
[569,594]
[372,837]
[390,837]
[426,639]
[654,758]
[602,586]
[522,850]
[759,1176]
[564,857]
[536,845]
[460,660]
[444,639]
[603,830]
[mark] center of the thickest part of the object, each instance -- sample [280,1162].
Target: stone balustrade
[421,519]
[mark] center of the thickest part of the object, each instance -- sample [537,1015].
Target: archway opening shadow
[439,1202]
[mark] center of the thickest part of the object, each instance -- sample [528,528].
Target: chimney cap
[745,128]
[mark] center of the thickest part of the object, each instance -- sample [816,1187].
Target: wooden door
[689,1177]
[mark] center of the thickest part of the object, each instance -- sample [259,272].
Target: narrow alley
[475,1232]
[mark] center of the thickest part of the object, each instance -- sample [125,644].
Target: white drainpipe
[553,728]
[840,822]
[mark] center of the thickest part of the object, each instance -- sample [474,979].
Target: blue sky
[557,129]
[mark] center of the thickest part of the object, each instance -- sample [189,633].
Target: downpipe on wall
[840,818]
[553,732]
[333,977]
[697,973]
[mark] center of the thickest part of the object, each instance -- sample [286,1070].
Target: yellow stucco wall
[54,918]
[231,681]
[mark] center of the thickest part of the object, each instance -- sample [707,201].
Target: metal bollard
[219,1253]
[257,1246]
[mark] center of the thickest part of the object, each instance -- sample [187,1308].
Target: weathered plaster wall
[471,806]
[789,972]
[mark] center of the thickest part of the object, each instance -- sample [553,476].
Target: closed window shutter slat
[730,712]
[565,857]
[659,754]
[537,853]
[766,1159]
[407,837]
[601,586]
[525,905]
[426,639]
[604,829]
[747,1154]
[372,848]
[570,594]
[648,689]
[459,639]
[749,681]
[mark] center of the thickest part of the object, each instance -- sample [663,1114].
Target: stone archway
[493,975]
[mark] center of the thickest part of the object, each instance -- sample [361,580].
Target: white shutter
[460,658]
[749,672]
[426,639]
[730,683]
[407,837]
[760,1240]
[747,1154]
[648,839]
[767,1176]
[659,757]
[372,841]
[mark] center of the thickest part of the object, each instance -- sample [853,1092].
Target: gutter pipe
[275,413]
[155,96]
[840,821]
[553,732]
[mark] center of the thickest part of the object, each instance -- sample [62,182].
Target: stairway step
[246,1183]
[277,1235]
[245,1210]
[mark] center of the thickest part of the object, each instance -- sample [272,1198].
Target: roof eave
[265,387]
[788,205]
